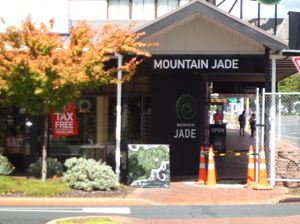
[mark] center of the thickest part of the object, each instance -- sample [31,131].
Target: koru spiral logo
[186,107]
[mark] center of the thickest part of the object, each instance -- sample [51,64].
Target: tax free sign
[64,124]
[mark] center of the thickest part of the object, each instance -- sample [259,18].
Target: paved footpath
[180,193]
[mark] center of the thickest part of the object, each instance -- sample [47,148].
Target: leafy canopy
[41,73]
[290,84]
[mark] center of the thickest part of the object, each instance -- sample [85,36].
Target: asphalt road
[41,215]
[290,129]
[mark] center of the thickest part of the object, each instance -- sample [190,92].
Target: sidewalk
[180,193]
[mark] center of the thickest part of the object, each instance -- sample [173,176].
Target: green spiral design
[185,107]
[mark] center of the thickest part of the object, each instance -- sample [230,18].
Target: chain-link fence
[280,135]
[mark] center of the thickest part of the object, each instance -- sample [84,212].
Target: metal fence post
[279,118]
[272,141]
[262,136]
[258,130]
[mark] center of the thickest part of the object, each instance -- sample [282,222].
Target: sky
[43,10]
[39,10]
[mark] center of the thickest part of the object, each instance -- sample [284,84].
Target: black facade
[180,99]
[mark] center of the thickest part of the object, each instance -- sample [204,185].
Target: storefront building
[166,102]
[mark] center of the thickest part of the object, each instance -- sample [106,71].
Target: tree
[40,73]
[290,84]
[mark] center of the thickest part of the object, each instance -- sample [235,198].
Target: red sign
[64,124]
[297,62]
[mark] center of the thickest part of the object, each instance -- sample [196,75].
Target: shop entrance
[181,88]
[230,147]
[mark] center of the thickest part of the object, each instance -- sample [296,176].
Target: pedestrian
[252,122]
[242,122]
[217,117]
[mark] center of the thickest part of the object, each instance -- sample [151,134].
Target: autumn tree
[42,73]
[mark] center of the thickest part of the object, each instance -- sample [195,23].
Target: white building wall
[15,11]
[88,9]
[200,35]
[120,9]
[143,9]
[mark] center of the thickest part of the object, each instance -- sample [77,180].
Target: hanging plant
[269,2]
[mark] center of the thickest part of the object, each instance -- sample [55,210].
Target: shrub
[5,166]
[88,175]
[54,167]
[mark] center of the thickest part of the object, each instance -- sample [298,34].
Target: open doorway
[232,160]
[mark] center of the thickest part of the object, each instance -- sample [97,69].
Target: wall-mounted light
[28,123]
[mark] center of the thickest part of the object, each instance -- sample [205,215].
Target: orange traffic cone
[251,167]
[262,173]
[211,173]
[202,168]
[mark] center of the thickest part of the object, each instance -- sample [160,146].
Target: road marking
[110,210]
[97,210]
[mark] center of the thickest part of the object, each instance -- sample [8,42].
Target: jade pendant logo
[186,107]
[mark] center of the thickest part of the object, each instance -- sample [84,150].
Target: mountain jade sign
[196,64]
[177,118]
[186,108]
[209,63]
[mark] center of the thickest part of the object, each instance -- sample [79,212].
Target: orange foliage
[38,57]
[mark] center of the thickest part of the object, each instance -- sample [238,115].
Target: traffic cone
[211,173]
[263,183]
[251,168]
[202,168]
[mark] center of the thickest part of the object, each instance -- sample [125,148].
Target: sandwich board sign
[297,62]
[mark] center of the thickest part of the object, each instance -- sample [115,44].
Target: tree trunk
[44,148]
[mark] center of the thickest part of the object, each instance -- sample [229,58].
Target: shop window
[2,128]
[13,130]
[143,9]
[118,9]
[86,123]
[138,119]
[12,135]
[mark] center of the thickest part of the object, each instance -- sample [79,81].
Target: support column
[272,121]
[124,130]
[268,78]
[102,119]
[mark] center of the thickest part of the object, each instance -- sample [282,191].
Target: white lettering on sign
[196,64]
[64,116]
[181,64]
[185,133]
[217,130]
[226,64]
[64,120]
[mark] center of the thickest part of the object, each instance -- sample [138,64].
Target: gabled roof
[213,12]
